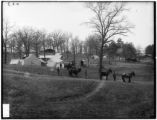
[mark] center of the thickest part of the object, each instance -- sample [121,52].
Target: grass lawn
[45,95]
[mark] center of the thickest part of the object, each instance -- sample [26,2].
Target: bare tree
[108,22]
[12,44]
[26,36]
[36,43]
[92,43]
[18,43]
[58,39]
[5,37]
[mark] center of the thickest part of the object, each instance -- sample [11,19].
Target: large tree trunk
[74,57]
[100,62]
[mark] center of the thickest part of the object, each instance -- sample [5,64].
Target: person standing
[61,68]
[58,69]
[114,76]
[86,74]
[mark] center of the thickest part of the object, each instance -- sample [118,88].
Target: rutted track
[73,98]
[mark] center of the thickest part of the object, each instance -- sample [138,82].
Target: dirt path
[97,89]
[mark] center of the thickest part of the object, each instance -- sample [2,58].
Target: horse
[74,70]
[105,73]
[68,66]
[131,59]
[128,75]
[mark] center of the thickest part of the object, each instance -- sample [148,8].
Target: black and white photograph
[78,60]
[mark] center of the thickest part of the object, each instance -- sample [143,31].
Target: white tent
[54,61]
[15,61]
[31,60]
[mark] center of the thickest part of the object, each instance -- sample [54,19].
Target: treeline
[24,41]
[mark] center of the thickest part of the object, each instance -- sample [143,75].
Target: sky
[71,17]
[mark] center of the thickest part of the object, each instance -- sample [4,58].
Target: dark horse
[68,66]
[105,73]
[131,59]
[74,70]
[128,75]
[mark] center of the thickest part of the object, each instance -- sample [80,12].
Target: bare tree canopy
[108,20]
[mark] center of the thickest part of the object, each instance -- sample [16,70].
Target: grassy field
[43,94]
[144,72]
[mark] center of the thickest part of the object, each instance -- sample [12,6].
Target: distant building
[48,52]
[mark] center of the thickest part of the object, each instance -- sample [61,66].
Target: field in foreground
[45,96]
